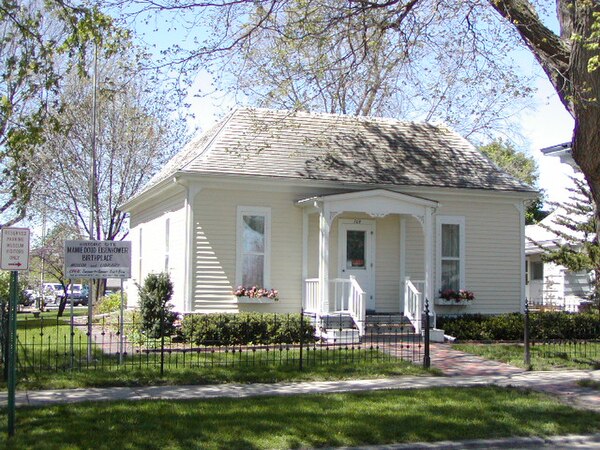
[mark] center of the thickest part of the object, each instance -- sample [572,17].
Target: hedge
[246,328]
[509,327]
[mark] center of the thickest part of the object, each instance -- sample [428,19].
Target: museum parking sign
[98,259]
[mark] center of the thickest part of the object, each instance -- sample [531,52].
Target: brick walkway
[454,363]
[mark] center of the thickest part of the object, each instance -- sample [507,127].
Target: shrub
[110,303]
[510,327]
[155,295]
[246,328]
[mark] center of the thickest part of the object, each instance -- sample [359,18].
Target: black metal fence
[60,345]
[553,346]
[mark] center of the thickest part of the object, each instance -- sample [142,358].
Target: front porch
[367,251]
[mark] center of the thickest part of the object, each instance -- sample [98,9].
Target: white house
[338,213]
[552,286]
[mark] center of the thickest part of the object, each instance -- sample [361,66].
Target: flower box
[452,302]
[244,299]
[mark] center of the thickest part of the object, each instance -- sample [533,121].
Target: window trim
[253,211]
[450,220]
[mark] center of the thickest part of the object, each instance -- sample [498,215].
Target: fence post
[426,356]
[526,344]
[301,334]
[162,342]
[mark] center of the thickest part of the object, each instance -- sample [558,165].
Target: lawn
[543,357]
[326,420]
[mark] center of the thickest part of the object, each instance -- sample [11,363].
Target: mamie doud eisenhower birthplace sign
[98,259]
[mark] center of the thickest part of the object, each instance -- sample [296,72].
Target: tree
[38,41]
[520,166]
[50,254]
[157,316]
[484,30]
[136,134]
[575,228]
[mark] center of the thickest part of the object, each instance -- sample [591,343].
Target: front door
[357,254]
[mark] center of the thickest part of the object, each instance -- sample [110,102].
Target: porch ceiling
[375,202]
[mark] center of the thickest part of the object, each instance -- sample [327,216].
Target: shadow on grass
[302,421]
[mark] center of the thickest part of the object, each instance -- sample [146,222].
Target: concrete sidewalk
[561,383]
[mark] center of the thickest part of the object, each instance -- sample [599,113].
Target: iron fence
[61,345]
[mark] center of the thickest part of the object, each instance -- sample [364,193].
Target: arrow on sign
[15,264]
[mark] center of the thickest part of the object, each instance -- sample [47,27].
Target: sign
[98,259]
[15,249]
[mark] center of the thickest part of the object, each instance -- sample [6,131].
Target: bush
[246,328]
[155,295]
[510,327]
[110,303]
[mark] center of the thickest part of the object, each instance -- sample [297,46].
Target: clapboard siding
[214,260]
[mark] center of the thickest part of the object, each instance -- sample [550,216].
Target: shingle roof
[328,147]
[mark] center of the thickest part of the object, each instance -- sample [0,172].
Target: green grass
[299,421]
[543,357]
[221,374]
[589,383]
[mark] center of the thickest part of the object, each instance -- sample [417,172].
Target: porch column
[324,228]
[304,255]
[428,230]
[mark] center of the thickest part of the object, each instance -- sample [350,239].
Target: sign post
[14,256]
[98,259]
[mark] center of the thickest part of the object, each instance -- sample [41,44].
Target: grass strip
[543,357]
[367,418]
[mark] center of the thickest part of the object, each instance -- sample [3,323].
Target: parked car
[53,293]
[76,292]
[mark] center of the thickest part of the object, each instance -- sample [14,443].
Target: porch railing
[345,296]
[413,304]
[357,305]
[311,295]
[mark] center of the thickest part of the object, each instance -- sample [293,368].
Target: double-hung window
[450,252]
[253,246]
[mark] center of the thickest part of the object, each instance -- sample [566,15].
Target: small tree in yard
[155,309]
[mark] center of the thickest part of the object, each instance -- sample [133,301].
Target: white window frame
[450,220]
[253,211]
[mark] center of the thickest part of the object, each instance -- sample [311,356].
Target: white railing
[357,305]
[345,296]
[413,304]
[311,295]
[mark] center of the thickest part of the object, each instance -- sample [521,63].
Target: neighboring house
[550,286]
[338,213]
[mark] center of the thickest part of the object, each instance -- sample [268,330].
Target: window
[537,270]
[451,252]
[253,246]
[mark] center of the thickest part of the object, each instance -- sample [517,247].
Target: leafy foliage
[509,327]
[157,316]
[110,303]
[38,42]
[520,166]
[246,328]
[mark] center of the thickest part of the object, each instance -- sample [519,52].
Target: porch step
[339,336]
[386,319]
[336,321]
